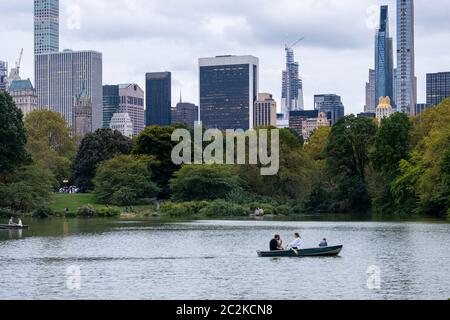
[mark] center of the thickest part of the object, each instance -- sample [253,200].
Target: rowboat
[12,226]
[313,252]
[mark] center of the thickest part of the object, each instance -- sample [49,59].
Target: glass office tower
[384,59]
[158,93]
[228,90]
[111,103]
[438,87]
[331,104]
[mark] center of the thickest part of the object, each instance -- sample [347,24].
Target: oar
[296,252]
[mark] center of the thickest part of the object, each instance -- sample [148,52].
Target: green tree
[51,141]
[28,188]
[392,144]
[95,148]
[125,180]
[347,159]
[204,182]
[13,136]
[157,142]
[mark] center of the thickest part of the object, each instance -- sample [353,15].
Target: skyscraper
[406,80]
[265,113]
[330,104]
[158,93]
[46,26]
[185,113]
[292,85]
[438,87]
[228,90]
[59,79]
[370,106]
[3,74]
[132,102]
[111,103]
[384,59]
[82,113]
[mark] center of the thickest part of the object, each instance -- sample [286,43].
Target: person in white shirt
[297,243]
[20,224]
[11,221]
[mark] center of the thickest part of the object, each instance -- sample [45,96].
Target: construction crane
[295,43]
[14,74]
[18,62]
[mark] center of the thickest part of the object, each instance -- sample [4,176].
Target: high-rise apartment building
[46,26]
[265,112]
[111,103]
[384,59]
[292,85]
[60,77]
[132,102]
[332,104]
[438,87]
[370,106]
[158,93]
[406,80]
[228,90]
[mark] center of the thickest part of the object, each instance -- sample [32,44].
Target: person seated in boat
[20,224]
[324,243]
[276,243]
[297,243]
[11,221]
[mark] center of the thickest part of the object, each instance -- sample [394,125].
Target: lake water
[217,260]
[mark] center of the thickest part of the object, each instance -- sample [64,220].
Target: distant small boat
[12,226]
[313,252]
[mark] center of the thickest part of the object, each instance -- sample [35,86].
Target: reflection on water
[217,260]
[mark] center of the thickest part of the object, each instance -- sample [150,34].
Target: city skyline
[334,59]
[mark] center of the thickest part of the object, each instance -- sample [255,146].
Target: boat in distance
[12,226]
[313,252]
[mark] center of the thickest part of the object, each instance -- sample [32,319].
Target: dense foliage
[125,180]
[13,136]
[52,142]
[95,148]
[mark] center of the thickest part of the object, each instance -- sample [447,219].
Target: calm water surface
[217,260]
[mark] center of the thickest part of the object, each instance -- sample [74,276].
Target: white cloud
[138,36]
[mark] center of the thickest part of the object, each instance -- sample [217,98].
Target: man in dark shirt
[276,243]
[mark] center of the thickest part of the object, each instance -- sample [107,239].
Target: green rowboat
[313,252]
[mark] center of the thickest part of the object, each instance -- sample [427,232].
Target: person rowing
[20,224]
[11,221]
[297,243]
[276,243]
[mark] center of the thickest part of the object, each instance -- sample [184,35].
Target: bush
[108,212]
[86,212]
[42,213]
[182,208]
[5,213]
[220,208]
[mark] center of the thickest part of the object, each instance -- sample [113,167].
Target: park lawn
[60,201]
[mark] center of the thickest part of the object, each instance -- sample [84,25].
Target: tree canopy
[13,136]
[95,148]
[125,180]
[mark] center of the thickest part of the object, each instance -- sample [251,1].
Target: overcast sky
[138,36]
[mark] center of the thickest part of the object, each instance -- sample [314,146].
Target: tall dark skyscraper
[331,104]
[406,79]
[158,93]
[111,103]
[384,59]
[228,91]
[46,26]
[438,87]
